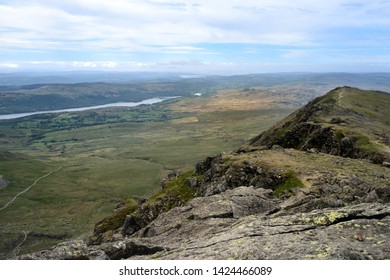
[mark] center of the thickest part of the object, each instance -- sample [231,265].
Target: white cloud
[8,65]
[187,50]
[109,64]
[146,23]
[118,30]
[84,64]
[295,54]
[378,63]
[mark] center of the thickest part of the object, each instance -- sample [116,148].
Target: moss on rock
[176,192]
[291,182]
[115,219]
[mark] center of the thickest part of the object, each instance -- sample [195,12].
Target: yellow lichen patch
[322,255]
[325,219]
[321,220]
[334,216]
[323,252]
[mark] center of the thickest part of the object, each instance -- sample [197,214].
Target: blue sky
[204,37]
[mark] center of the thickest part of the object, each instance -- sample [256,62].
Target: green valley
[98,158]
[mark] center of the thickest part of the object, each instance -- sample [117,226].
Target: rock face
[324,199]
[358,232]
[72,250]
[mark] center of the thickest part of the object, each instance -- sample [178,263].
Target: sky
[195,36]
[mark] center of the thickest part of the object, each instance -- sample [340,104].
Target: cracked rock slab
[354,232]
[206,215]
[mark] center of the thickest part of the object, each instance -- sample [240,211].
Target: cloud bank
[120,34]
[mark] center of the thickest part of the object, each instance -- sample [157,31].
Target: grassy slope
[368,117]
[360,115]
[307,167]
[103,163]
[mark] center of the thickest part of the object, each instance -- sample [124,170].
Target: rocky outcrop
[71,250]
[79,250]
[221,176]
[358,232]
[226,207]
[353,232]
[331,127]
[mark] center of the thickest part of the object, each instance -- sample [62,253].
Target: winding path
[341,96]
[29,187]
[16,250]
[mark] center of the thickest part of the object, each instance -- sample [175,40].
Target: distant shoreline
[149,101]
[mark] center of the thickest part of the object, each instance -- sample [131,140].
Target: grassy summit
[347,121]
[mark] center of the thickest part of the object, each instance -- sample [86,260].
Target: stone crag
[327,126]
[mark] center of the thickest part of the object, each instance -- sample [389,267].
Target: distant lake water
[118,104]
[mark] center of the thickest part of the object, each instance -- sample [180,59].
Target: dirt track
[28,188]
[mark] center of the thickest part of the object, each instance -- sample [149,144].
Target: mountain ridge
[310,128]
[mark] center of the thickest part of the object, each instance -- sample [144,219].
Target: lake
[118,104]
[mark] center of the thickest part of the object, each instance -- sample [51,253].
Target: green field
[98,158]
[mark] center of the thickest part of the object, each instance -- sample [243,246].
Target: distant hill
[29,92]
[315,186]
[42,97]
[72,77]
